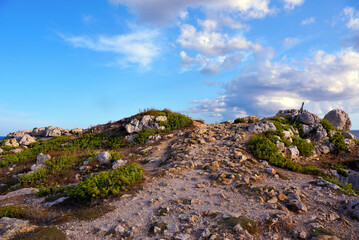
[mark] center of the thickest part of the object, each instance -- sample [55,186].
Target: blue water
[356,133]
[2,137]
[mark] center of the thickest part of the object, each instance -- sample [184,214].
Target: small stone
[238,228]
[118,163]
[103,158]
[273,200]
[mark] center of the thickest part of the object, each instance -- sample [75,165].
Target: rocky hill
[161,175]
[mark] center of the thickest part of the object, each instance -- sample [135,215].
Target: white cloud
[163,11]
[210,43]
[308,21]
[353,18]
[291,4]
[324,81]
[135,48]
[187,61]
[290,41]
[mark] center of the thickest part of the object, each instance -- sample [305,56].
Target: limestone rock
[308,118]
[353,208]
[288,113]
[292,152]
[38,132]
[17,150]
[35,167]
[251,119]
[18,193]
[118,163]
[261,127]
[320,134]
[76,131]
[26,140]
[13,226]
[103,158]
[280,145]
[52,132]
[348,135]
[42,158]
[11,142]
[161,118]
[339,119]
[1,150]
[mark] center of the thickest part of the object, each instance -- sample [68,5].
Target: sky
[81,63]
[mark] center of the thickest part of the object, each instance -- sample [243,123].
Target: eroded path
[211,188]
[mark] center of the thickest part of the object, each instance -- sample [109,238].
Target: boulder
[251,119]
[161,118]
[133,126]
[18,134]
[38,132]
[52,132]
[10,227]
[348,135]
[103,158]
[339,119]
[42,158]
[76,131]
[11,142]
[291,113]
[146,122]
[353,208]
[280,145]
[131,137]
[308,118]
[19,193]
[320,134]
[118,163]
[36,167]
[261,127]
[292,152]
[26,140]
[287,134]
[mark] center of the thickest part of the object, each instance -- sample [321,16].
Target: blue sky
[81,63]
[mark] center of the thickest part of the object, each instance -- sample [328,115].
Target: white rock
[103,158]
[286,134]
[118,163]
[292,152]
[11,142]
[26,140]
[35,167]
[76,130]
[52,132]
[42,158]
[261,127]
[1,150]
[60,200]
[161,118]
[17,150]
[20,192]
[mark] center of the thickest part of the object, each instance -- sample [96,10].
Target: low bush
[106,183]
[143,135]
[14,211]
[97,141]
[338,141]
[263,148]
[303,146]
[286,163]
[327,126]
[116,156]
[312,170]
[239,120]
[280,123]
[176,121]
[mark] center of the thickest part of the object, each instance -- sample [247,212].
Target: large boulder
[26,140]
[320,134]
[52,132]
[38,132]
[308,118]
[339,119]
[76,131]
[261,127]
[288,113]
[292,152]
[135,125]
[11,142]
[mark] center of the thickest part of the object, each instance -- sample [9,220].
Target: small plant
[338,141]
[320,231]
[304,148]
[143,135]
[263,148]
[239,120]
[116,156]
[106,183]
[246,223]
[327,126]
[14,211]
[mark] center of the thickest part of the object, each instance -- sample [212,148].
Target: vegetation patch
[327,126]
[322,231]
[106,183]
[89,213]
[239,120]
[246,223]
[338,141]
[14,211]
[303,146]
[143,135]
[47,233]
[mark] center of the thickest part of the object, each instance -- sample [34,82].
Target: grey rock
[288,113]
[56,202]
[320,134]
[52,132]
[38,132]
[119,229]
[339,119]
[348,135]
[131,137]
[76,131]
[103,158]
[251,119]
[26,140]
[296,205]
[280,145]
[353,179]
[292,152]
[261,127]
[42,158]
[353,208]
[308,118]
[13,226]
[1,150]
[206,233]
[324,183]
[35,167]
[322,148]
[18,193]
[118,163]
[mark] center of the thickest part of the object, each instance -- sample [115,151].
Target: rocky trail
[213,189]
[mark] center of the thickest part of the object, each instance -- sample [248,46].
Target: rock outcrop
[339,119]
[261,127]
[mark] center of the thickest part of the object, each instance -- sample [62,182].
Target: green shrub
[35,178]
[97,141]
[312,170]
[106,183]
[61,163]
[338,141]
[239,120]
[299,127]
[327,126]
[285,163]
[280,123]
[176,121]
[14,211]
[116,156]
[263,148]
[340,169]
[304,148]
[143,135]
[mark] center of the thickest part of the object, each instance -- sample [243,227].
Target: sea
[2,137]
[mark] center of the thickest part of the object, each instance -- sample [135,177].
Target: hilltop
[161,175]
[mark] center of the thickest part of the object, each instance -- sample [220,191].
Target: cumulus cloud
[135,48]
[163,11]
[324,81]
[353,18]
[291,4]
[308,21]
[211,43]
[187,61]
[353,41]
